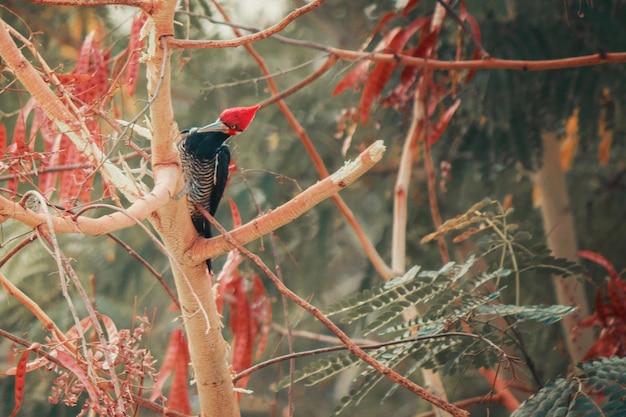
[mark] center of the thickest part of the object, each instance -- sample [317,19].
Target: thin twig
[457,19]
[30,239]
[34,308]
[255,37]
[330,62]
[145,5]
[377,261]
[297,206]
[255,80]
[436,64]
[68,167]
[23,342]
[369,346]
[146,265]
[64,268]
[158,244]
[356,350]
[319,337]
[156,89]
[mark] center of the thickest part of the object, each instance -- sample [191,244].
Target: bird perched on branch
[205,158]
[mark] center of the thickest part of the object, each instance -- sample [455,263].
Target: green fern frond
[414,287]
[539,258]
[452,300]
[434,323]
[598,390]
[370,300]
[321,370]
[392,356]
[539,313]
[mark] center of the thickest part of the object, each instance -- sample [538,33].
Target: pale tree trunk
[558,224]
[207,347]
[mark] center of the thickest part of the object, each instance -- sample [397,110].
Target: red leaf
[478,36]
[244,331]
[610,315]
[176,349]
[52,147]
[76,184]
[600,260]
[109,326]
[235,213]
[85,324]
[242,325]
[135,45]
[19,132]
[99,72]
[353,79]
[228,274]
[20,379]
[382,22]
[358,74]
[3,138]
[62,159]
[383,70]
[262,310]
[178,398]
[73,78]
[71,365]
[408,76]
[410,30]
[82,65]
[19,149]
[68,188]
[411,4]
[438,129]
[91,62]
[616,290]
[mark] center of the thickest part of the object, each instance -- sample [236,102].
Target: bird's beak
[216,126]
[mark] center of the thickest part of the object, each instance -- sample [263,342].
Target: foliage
[610,314]
[92,83]
[597,389]
[455,332]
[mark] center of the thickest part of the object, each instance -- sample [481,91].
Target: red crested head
[238,118]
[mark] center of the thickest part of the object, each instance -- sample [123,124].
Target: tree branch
[403,180]
[472,64]
[330,62]
[371,252]
[244,40]
[345,339]
[210,248]
[59,111]
[34,308]
[145,5]
[140,209]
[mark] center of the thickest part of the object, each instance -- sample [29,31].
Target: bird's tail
[204,229]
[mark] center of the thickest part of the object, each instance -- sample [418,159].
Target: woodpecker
[205,157]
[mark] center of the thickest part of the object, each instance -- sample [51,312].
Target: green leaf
[540,313]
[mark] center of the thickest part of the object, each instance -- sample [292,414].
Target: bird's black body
[205,158]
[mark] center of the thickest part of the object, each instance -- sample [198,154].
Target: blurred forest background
[491,149]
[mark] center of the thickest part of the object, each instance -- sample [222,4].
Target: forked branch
[210,248]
